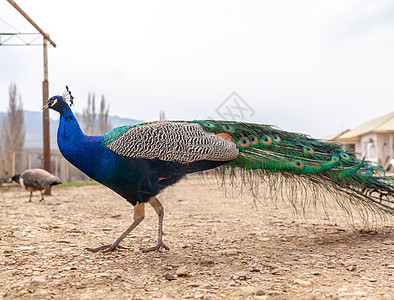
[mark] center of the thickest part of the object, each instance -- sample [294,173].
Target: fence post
[56,168]
[29,161]
[67,172]
[13,164]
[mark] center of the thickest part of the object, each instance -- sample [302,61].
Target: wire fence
[15,162]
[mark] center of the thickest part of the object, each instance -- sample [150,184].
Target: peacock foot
[160,245]
[106,248]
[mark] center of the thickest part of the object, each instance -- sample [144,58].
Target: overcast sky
[315,67]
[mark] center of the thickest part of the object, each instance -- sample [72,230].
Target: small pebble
[229,252]
[241,275]
[248,290]
[315,273]
[169,277]
[182,271]
[37,280]
[302,282]
[19,234]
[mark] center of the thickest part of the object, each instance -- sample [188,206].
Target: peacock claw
[106,248]
[158,247]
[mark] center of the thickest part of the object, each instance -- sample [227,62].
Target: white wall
[369,147]
[378,147]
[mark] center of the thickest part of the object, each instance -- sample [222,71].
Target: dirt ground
[220,247]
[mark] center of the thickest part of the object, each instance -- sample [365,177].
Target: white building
[374,140]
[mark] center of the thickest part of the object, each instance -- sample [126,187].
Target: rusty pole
[45,92]
[45,114]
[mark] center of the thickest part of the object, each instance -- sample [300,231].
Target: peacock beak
[46,106]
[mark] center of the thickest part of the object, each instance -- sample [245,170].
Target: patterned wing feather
[180,142]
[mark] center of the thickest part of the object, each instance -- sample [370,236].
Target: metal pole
[45,92]
[45,117]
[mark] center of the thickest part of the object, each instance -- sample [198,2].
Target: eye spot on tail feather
[228,128]
[244,142]
[266,140]
[345,156]
[298,164]
[308,150]
[253,140]
[208,124]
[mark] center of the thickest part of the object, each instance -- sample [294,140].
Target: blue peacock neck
[69,128]
[81,150]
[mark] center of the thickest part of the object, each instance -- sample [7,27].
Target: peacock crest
[68,97]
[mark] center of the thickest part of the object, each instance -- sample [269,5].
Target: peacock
[139,161]
[36,180]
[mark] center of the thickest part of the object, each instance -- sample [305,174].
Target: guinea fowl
[138,161]
[36,180]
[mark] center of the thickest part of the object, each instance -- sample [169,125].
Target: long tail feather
[268,150]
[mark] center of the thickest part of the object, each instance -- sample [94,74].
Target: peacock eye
[266,140]
[209,124]
[276,138]
[227,127]
[308,150]
[344,156]
[298,164]
[244,142]
[253,140]
[53,102]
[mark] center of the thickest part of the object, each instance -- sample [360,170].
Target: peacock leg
[155,203]
[31,193]
[139,215]
[42,196]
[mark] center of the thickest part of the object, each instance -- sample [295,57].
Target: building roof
[384,124]
[335,136]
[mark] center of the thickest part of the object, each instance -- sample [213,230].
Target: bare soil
[221,247]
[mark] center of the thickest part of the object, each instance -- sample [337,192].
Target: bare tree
[95,123]
[89,116]
[103,120]
[162,115]
[13,130]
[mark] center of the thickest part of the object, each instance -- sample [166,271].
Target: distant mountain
[33,126]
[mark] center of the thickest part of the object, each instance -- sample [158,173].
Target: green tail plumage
[328,165]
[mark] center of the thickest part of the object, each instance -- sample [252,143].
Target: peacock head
[59,103]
